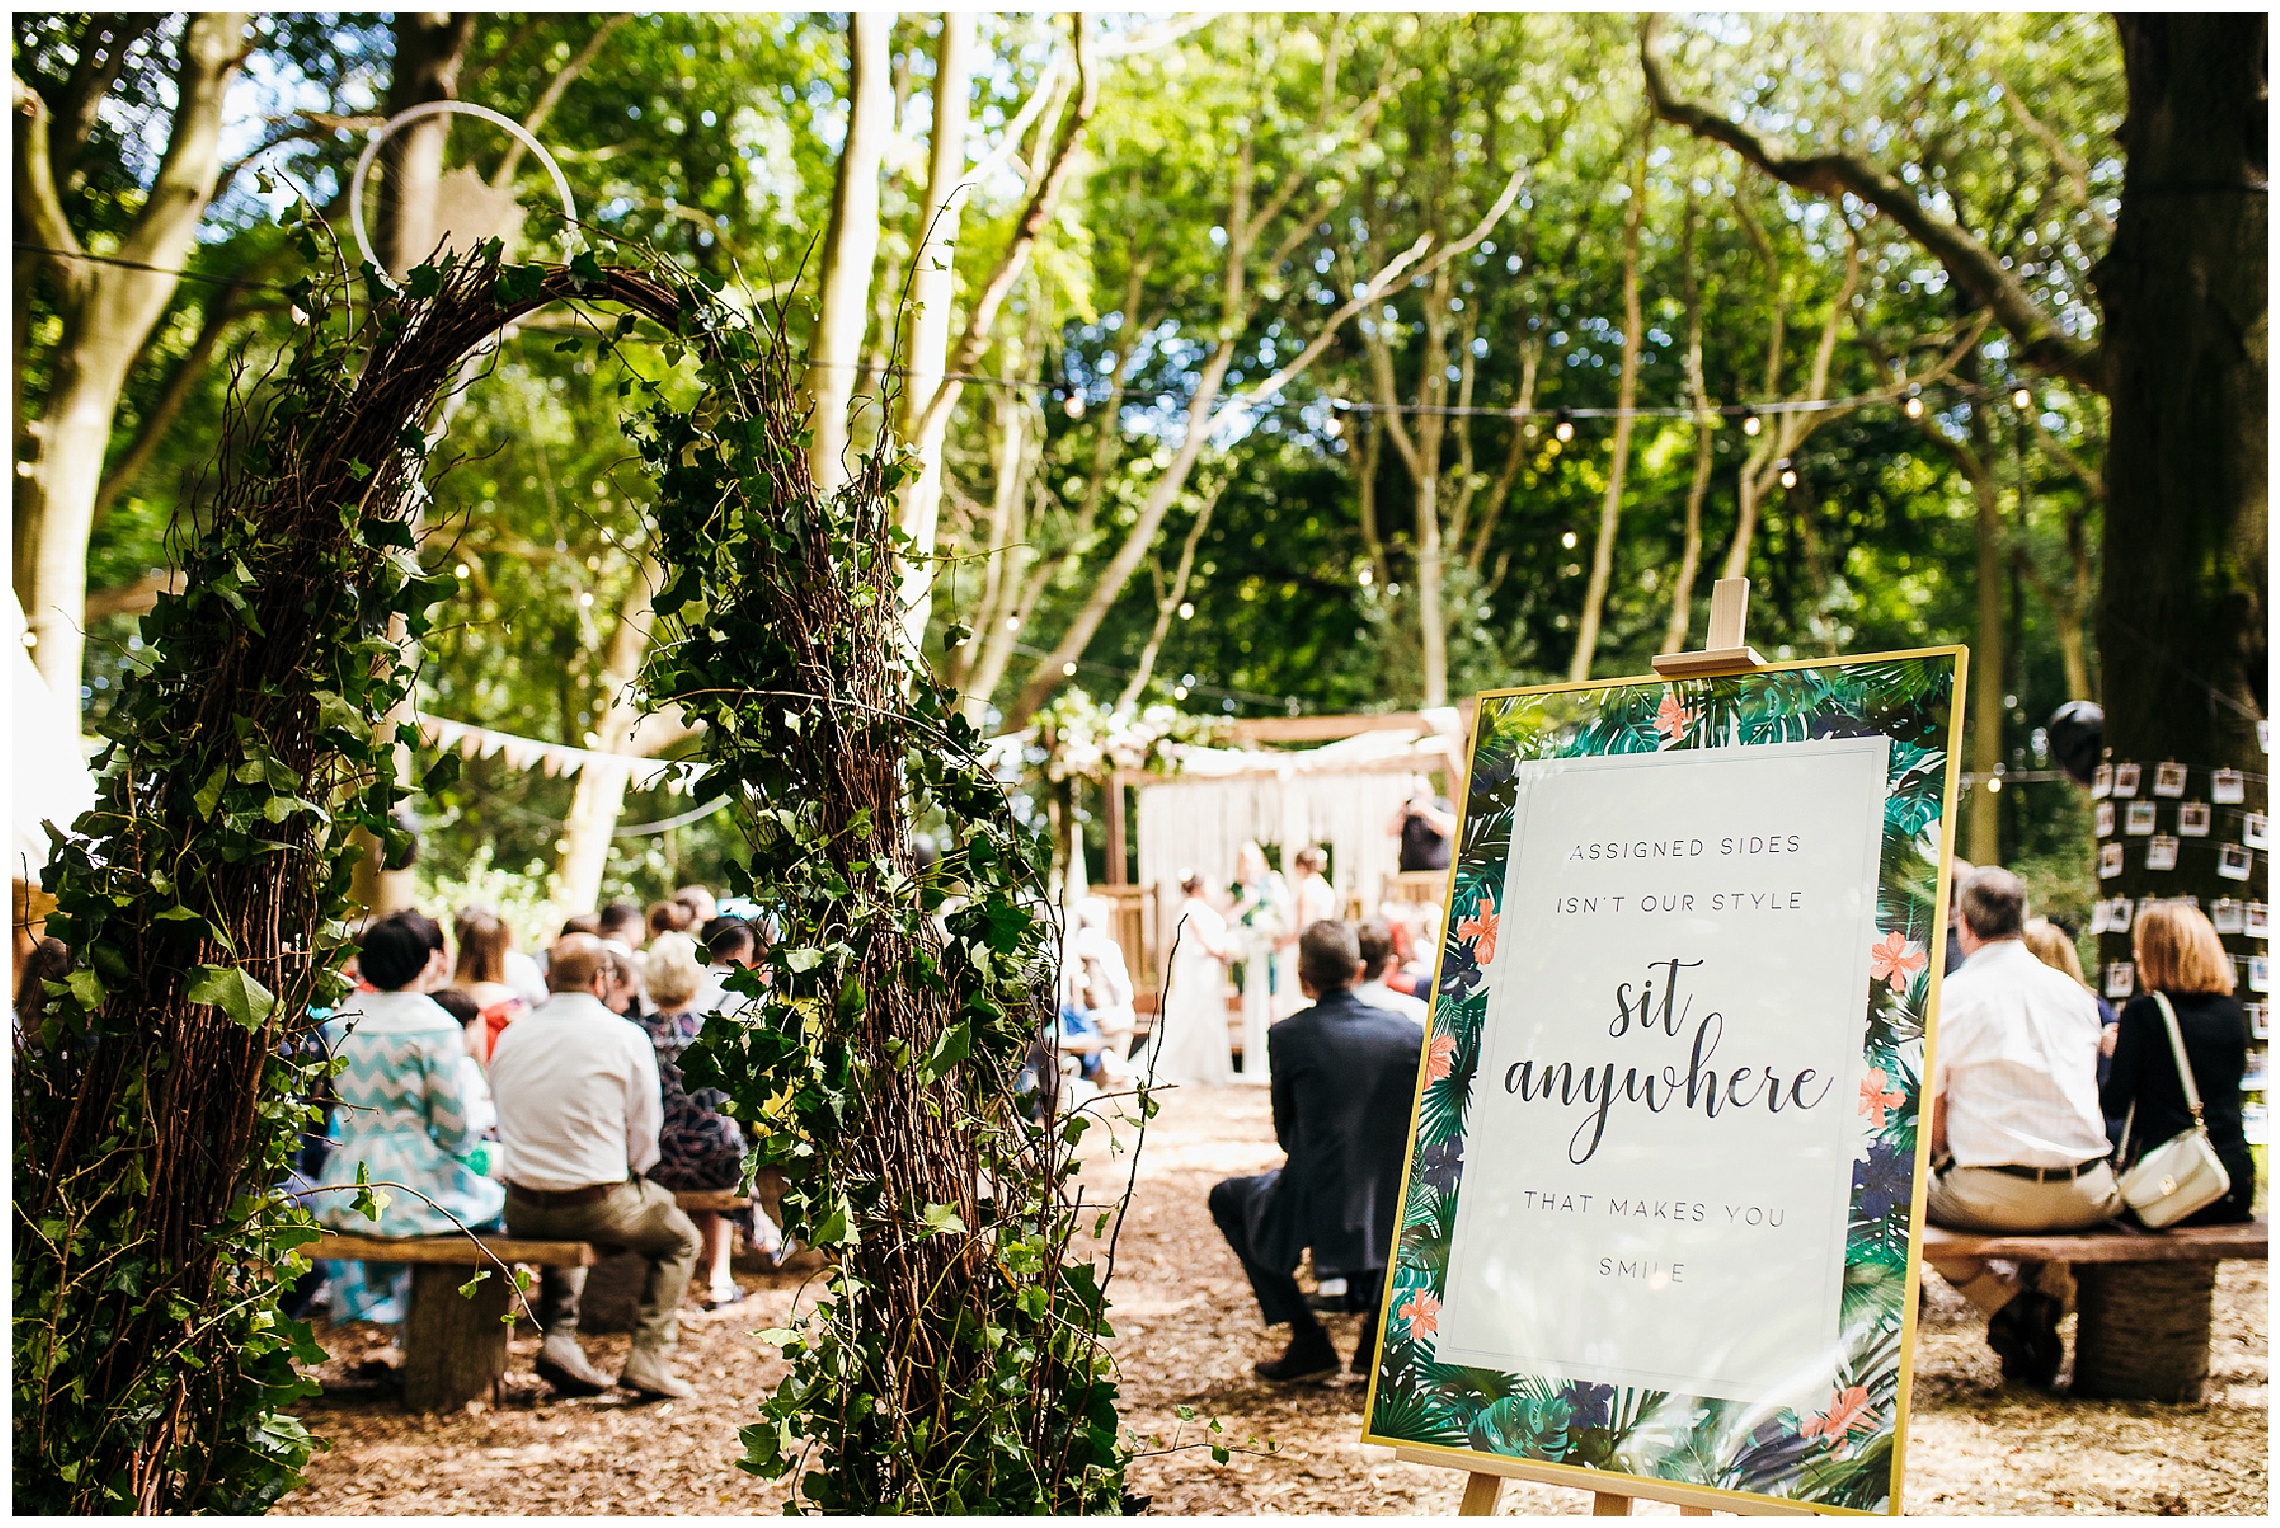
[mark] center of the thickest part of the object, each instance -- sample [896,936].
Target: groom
[1344,1079]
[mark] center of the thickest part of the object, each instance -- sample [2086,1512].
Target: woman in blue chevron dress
[410,1106]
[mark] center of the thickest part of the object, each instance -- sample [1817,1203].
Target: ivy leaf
[837,1228]
[443,774]
[804,960]
[210,794]
[467,1290]
[940,1219]
[245,1000]
[952,1046]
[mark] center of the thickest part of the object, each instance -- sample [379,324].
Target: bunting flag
[556,759]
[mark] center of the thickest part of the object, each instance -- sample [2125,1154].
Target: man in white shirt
[1375,937]
[2016,1131]
[579,1114]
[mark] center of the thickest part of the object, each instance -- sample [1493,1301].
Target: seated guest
[408,1110]
[668,918]
[1374,938]
[2179,956]
[1344,1076]
[1103,980]
[731,945]
[622,994]
[2014,1123]
[699,1147]
[579,1112]
[482,974]
[620,921]
[699,901]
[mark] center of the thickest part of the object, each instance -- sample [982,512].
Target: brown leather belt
[2049,1174]
[561,1199]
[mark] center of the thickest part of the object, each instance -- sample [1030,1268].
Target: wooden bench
[455,1346]
[2143,1298]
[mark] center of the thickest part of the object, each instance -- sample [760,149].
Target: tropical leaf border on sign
[1844,1456]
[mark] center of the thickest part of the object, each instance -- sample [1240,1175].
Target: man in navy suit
[1345,1076]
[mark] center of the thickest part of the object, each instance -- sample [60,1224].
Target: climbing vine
[955,1362]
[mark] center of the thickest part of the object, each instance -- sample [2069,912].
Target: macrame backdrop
[1198,824]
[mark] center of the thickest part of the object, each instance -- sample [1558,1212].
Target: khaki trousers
[637,1215]
[1981,1199]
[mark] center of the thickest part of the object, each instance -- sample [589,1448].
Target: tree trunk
[1626,394]
[600,795]
[1983,844]
[106,313]
[430,46]
[1697,391]
[850,245]
[1005,556]
[2182,612]
[933,288]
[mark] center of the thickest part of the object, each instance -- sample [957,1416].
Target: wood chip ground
[1187,1335]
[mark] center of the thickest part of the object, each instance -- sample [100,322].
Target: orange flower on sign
[1895,960]
[1480,928]
[1671,718]
[1874,1100]
[1847,1413]
[1439,1057]
[1423,1313]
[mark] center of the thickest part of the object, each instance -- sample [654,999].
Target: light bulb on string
[1187,610]
[1013,623]
[1751,424]
[1563,426]
[1788,474]
[1179,692]
[1568,540]
[1069,669]
[1913,407]
[2021,398]
[1075,407]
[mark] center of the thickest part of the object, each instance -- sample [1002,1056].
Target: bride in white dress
[1189,1046]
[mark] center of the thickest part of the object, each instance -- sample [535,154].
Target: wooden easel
[1725,652]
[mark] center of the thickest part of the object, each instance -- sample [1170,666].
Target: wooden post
[455,1348]
[1480,1495]
[1726,652]
[1114,789]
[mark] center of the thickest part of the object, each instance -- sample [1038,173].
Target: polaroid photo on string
[2260,973]
[2138,821]
[2099,913]
[2235,863]
[2169,778]
[2105,819]
[2101,782]
[2109,860]
[2193,819]
[2125,779]
[2161,853]
[2255,922]
[2118,915]
[2259,1020]
[2228,787]
[2226,915]
[2254,830]
[2121,978]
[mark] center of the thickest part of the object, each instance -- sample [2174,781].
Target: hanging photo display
[2140,818]
[2228,787]
[2105,819]
[2233,862]
[2101,781]
[2260,973]
[2161,853]
[2109,860]
[2121,979]
[2169,779]
[2193,820]
[2125,779]
[2253,921]
[2252,830]
[1657,1207]
[2259,1020]
[2225,915]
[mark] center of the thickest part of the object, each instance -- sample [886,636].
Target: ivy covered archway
[955,1361]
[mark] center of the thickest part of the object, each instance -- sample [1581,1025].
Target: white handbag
[2182,1174]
